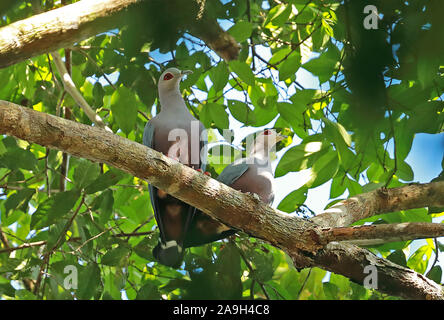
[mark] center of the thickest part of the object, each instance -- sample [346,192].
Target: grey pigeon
[177,134]
[249,175]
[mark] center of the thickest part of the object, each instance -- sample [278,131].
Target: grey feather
[232,172]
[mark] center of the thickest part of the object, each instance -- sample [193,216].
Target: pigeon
[252,174]
[177,134]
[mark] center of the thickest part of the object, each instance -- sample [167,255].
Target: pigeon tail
[170,253]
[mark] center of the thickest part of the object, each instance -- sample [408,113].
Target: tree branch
[23,246]
[385,232]
[380,201]
[62,27]
[300,238]
[393,279]
[59,28]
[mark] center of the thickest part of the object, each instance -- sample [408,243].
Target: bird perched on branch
[177,134]
[252,174]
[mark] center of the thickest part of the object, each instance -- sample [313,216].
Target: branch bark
[350,261]
[384,232]
[300,238]
[380,201]
[62,27]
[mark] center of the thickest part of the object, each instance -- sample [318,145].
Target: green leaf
[241,112]
[405,172]
[289,66]
[18,200]
[342,140]
[324,169]
[292,113]
[98,94]
[219,76]
[263,263]
[293,200]
[403,139]
[218,115]
[297,158]
[18,158]
[104,181]
[323,66]
[89,281]
[124,109]
[144,248]
[398,257]
[243,71]
[417,261]
[228,260]
[23,294]
[331,290]
[54,209]
[277,16]
[114,256]
[241,31]
[435,274]
[279,55]
[149,291]
[374,172]
[106,206]
[264,116]
[85,173]
[337,187]
[338,131]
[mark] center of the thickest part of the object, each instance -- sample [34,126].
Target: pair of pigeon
[181,225]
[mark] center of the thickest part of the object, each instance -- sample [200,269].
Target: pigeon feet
[254,195]
[205,173]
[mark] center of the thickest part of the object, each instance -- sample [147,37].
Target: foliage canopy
[377,89]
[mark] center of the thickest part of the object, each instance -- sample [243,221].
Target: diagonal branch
[300,238]
[70,87]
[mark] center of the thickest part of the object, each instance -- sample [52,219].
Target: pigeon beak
[185,72]
[280,137]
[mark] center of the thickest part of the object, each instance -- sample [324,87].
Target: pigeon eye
[168,76]
[267,132]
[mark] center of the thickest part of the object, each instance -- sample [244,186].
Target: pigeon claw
[255,196]
[207,173]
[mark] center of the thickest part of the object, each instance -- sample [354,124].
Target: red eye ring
[267,132]
[168,76]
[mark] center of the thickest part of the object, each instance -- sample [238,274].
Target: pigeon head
[266,140]
[169,80]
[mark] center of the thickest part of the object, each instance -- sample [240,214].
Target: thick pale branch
[65,26]
[300,238]
[385,232]
[59,28]
[350,261]
[381,201]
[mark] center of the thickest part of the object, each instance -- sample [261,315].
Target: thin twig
[23,246]
[250,268]
[75,94]
[303,285]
